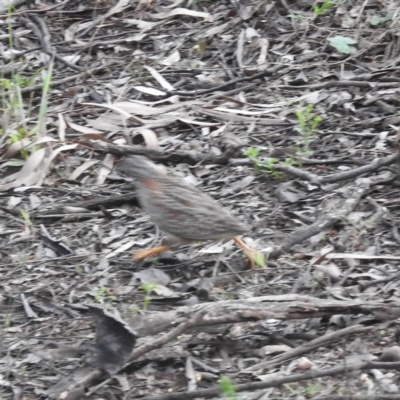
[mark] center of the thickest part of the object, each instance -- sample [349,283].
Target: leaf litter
[195,86]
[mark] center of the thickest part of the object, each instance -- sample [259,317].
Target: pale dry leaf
[82,168]
[270,350]
[14,148]
[240,48]
[34,201]
[239,118]
[320,256]
[8,178]
[183,11]
[251,33]
[69,33]
[362,256]
[215,30]
[105,123]
[332,270]
[61,126]
[143,108]
[121,249]
[304,363]
[123,382]
[105,171]
[72,59]
[161,290]
[120,6]
[18,34]
[118,110]
[161,122]
[149,137]
[216,248]
[29,173]
[134,38]
[200,123]
[171,99]
[115,233]
[264,46]
[47,161]
[247,112]
[44,139]
[338,293]
[313,98]
[111,107]
[148,90]
[83,129]
[13,201]
[160,79]
[143,25]
[152,275]
[171,59]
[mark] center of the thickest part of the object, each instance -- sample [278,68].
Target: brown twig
[81,76]
[163,156]
[328,338]
[341,176]
[325,221]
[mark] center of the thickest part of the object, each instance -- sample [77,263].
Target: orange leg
[140,255]
[248,250]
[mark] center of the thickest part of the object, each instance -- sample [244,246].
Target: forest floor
[286,113]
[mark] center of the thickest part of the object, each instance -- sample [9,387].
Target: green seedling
[201,46]
[16,110]
[308,392]
[298,17]
[307,126]
[47,75]
[319,8]
[262,166]
[228,388]
[7,321]
[27,220]
[148,288]
[102,295]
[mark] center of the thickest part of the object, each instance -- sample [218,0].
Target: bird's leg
[140,255]
[248,250]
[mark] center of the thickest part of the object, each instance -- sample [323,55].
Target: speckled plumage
[180,210]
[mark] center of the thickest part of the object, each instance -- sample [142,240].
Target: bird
[181,211]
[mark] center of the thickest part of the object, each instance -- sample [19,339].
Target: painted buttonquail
[181,211]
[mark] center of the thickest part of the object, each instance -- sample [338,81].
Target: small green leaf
[227,386]
[259,259]
[341,43]
[379,20]
[319,9]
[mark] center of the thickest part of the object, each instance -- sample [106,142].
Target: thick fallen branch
[173,156]
[278,381]
[92,204]
[362,397]
[224,312]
